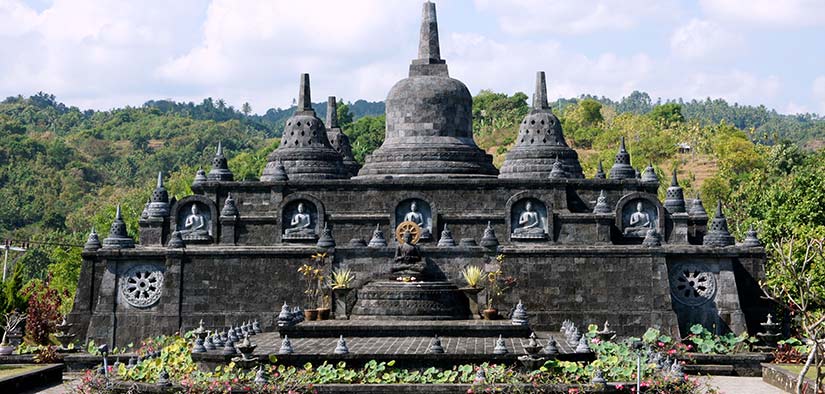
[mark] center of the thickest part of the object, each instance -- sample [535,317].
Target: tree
[246,109]
[667,114]
[344,115]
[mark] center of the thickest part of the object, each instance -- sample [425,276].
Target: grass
[10,370]
[795,369]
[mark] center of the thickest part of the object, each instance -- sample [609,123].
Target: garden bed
[74,362]
[16,378]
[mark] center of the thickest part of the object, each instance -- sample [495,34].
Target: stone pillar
[82,309]
[228,230]
[154,231]
[727,301]
[171,299]
[603,224]
[679,233]
[102,324]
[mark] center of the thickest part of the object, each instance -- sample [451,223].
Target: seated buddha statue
[301,224]
[407,261]
[195,226]
[639,222]
[529,224]
[418,218]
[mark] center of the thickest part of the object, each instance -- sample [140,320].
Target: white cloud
[704,40]
[522,17]
[785,13]
[734,86]
[818,89]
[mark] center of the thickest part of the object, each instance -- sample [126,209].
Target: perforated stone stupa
[431,204]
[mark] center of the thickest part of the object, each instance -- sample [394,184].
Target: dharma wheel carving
[141,285]
[692,284]
[413,228]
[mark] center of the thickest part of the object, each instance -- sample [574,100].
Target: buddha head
[301,208]
[528,207]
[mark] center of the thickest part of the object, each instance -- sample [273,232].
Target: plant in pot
[473,275]
[340,282]
[313,274]
[498,283]
[10,322]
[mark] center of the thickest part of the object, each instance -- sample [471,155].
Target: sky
[102,54]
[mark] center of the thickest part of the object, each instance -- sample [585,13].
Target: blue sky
[102,54]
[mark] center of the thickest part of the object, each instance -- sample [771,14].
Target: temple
[425,205]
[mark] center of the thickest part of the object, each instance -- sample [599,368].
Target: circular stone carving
[141,285]
[692,284]
[412,227]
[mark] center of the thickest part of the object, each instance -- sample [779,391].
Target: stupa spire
[332,113]
[429,51]
[304,97]
[540,96]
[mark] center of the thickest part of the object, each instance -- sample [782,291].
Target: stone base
[410,301]
[300,237]
[528,237]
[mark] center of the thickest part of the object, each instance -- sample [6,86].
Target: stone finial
[601,204]
[582,346]
[229,346]
[260,376]
[326,240]
[286,346]
[501,346]
[674,197]
[93,242]
[718,235]
[696,208]
[638,174]
[163,379]
[551,348]
[598,378]
[435,346]
[649,174]
[176,241]
[341,346]
[752,240]
[332,113]
[446,238]
[198,346]
[429,51]
[159,202]
[256,327]
[118,237]
[540,94]
[218,339]
[480,377]
[600,172]
[230,209]
[209,344]
[220,168]
[304,96]
[558,170]
[377,240]
[285,316]
[145,213]
[676,370]
[519,316]
[652,239]
[200,177]
[489,240]
[574,337]
[279,175]
[621,167]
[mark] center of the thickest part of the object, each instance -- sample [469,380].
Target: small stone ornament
[481,376]
[697,208]
[582,347]
[676,370]
[176,241]
[519,316]
[285,316]
[501,346]
[286,346]
[446,240]
[598,378]
[229,207]
[260,376]
[574,337]
[341,346]
[357,243]
[200,176]
[131,363]
[649,174]
[229,347]
[551,349]
[489,240]
[600,172]
[208,344]
[558,170]
[233,336]
[326,241]
[219,340]
[377,240]
[280,172]
[256,327]
[435,346]
[93,242]
[751,239]
[601,204]
[198,347]
[163,378]
[533,346]
[652,239]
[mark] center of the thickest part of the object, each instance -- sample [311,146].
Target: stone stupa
[429,120]
[339,140]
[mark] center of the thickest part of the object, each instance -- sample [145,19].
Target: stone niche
[415,210]
[528,219]
[703,292]
[194,219]
[140,285]
[636,213]
[301,219]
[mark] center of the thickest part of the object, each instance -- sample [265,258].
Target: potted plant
[473,275]
[324,310]
[313,274]
[497,284]
[340,282]
[10,322]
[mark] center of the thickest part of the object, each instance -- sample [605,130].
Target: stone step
[405,328]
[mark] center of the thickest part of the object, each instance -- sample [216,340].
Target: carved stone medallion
[692,284]
[141,285]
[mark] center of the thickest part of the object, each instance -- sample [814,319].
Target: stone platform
[441,300]
[406,328]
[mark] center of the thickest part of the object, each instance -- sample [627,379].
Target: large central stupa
[429,120]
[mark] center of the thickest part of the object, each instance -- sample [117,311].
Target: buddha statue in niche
[195,226]
[301,224]
[529,223]
[407,260]
[418,218]
[639,222]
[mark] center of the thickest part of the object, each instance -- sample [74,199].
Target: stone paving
[270,342]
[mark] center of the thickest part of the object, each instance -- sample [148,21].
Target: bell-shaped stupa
[540,143]
[339,140]
[305,149]
[429,120]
